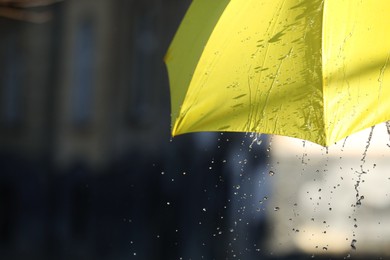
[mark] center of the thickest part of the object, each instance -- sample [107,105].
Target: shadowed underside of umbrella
[315,70]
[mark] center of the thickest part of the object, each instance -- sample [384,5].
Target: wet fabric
[315,70]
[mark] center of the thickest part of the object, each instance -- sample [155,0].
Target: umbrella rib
[382,74]
[254,113]
[272,85]
[324,118]
[248,126]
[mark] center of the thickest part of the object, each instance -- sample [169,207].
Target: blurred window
[144,72]
[84,73]
[11,83]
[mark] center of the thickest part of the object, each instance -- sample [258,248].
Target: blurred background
[88,169]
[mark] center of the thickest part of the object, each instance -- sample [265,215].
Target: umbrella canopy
[310,69]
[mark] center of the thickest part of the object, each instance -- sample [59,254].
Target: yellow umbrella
[310,69]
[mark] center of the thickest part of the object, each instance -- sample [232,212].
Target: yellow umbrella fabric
[311,69]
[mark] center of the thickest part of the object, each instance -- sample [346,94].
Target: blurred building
[82,95]
[88,84]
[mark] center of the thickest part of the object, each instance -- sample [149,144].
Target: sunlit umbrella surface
[316,70]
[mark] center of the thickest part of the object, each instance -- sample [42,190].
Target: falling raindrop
[256,140]
[345,141]
[353,244]
[388,130]
[367,146]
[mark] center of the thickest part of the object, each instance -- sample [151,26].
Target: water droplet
[271,173]
[204,209]
[353,244]
[325,248]
[276,208]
